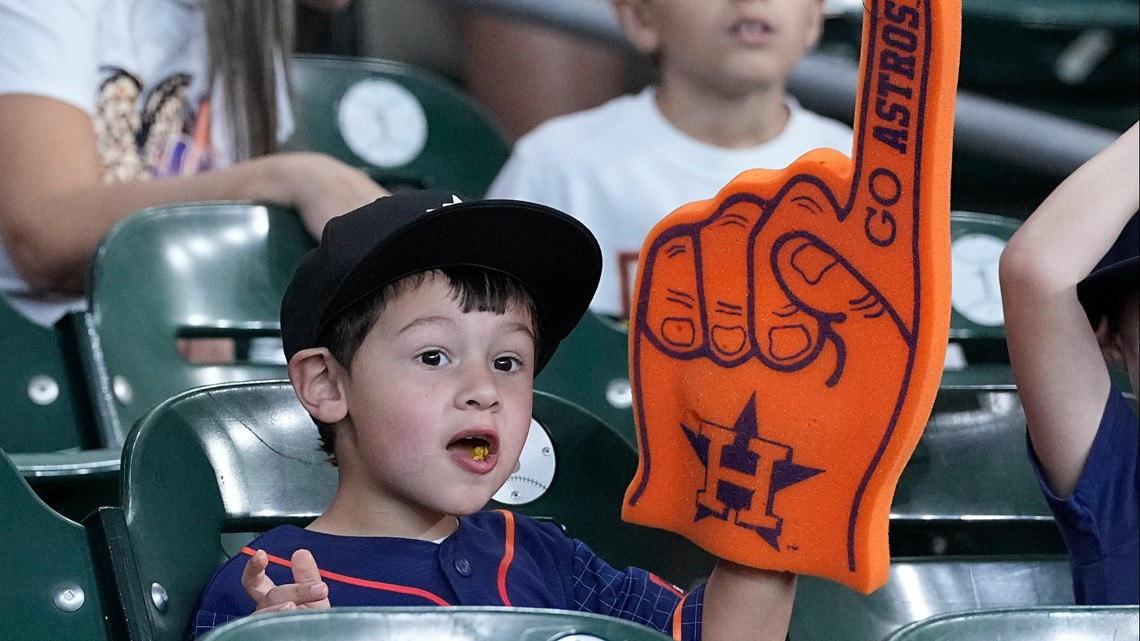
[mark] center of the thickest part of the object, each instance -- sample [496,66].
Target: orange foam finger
[779,395]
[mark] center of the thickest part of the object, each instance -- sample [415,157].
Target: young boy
[720,108]
[413,333]
[1082,432]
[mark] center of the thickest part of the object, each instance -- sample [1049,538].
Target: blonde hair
[248,41]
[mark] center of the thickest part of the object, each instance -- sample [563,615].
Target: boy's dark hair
[474,288]
[1103,292]
[1113,310]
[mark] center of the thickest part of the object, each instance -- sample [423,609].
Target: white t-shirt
[138,67]
[622,167]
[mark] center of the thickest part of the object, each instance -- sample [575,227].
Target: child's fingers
[300,594]
[305,568]
[306,591]
[253,578]
[311,591]
[280,607]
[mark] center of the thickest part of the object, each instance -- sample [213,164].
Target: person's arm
[746,604]
[1057,363]
[54,207]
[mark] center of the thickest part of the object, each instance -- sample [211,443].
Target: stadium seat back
[969,488]
[591,368]
[49,590]
[977,240]
[213,461]
[41,387]
[186,273]
[977,354]
[922,587]
[48,429]
[466,623]
[406,126]
[1061,623]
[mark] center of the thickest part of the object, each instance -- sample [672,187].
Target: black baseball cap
[1116,271]
[553,255]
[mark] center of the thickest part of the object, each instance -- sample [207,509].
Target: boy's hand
[306,591]
[788,335]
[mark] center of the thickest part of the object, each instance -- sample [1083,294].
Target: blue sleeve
[222,600]
[634,594]
[205,621]
[1099,522]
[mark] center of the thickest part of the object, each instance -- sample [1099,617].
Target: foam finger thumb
[817,278]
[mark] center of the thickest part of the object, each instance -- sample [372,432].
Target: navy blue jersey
[494,558]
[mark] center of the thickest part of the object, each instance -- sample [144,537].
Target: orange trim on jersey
[508,555]
[360,583]
[677,618]
[667,585]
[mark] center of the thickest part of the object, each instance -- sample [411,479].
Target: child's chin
[467,506]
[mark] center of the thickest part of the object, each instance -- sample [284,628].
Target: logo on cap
[454,201]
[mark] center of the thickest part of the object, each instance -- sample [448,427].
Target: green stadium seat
[184,272]
[41,388]
[591,368]
[1072,623]
[976,355]
[919,588]
[49,590]
[465,623]
[977,240]
[405,126]
[48,429]
[208,469]
[969,488]
[73,482]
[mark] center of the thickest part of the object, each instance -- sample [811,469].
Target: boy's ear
[1109,345]
[318,379]
[638,23]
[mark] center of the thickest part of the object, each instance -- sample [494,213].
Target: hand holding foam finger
[788,336]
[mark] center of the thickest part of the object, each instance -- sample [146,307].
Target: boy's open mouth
[752,26]
[476,447]
[753,32]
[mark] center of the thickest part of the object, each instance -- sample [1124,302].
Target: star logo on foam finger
[743,473]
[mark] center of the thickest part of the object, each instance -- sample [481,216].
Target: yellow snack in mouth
[479,452]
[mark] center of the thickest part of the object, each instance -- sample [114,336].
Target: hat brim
[553,255]
[1097,291]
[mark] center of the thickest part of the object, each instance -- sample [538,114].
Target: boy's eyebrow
[427,320]
[522,327]
[445,320]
